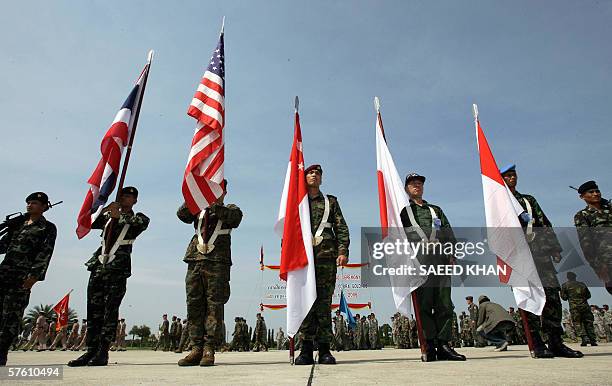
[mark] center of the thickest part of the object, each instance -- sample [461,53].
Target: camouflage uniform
[543,246]
[108,283]
[568,325]
[599,324]
[164,333]
[596,243]
[373,333]
[577,294]
[357,333]
[173,337]
[260,332]
[339,333]
[478,340]
[207,282]
[434,297]
[28,249]
[520,329]
[317,323]
[455,331]
[184,336]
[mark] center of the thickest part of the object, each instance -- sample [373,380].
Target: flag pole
[292,338]
[415,301]
[522,312]
[134,119]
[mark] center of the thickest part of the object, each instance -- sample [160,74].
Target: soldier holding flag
[108,275]
[434,297]
[543,245]
[330,243]
[207,282]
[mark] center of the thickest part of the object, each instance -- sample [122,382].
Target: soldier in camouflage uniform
[357,334]
[173,338]
[578,294]
[456,340]
[434,297]
[608,321]
[413,334]
[339,331]
[466,330]
[568,325]
[373,333]
[108,282]
[260,332]
[164,334]
[598,324]
[331,249]
[473,310]
[28,246]
[184,337]
[594,226]
[520,330]
[543,244]
[207,281]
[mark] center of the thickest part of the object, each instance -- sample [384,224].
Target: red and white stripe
[293,225]
[504,232]
[204,172]
[392,198]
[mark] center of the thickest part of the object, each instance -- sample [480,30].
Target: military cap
[130,190]
[571,275]
[337,311]
[38,196]
[313,167]
[414,176]
[483,298]
[587,186]
[507,168]
[469,298]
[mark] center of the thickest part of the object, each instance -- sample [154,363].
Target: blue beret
[508,168]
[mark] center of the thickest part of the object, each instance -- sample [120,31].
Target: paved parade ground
[385,367]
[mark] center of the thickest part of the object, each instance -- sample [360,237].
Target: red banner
[61,309]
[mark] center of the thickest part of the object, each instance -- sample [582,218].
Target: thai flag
[104,178]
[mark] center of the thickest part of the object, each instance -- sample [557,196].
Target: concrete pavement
[387,367]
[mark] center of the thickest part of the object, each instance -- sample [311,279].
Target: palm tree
[48,312]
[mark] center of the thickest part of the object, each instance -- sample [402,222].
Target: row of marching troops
[28,246]
[43,334]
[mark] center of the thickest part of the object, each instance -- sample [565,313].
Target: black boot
[585,341]
[445,352]
[539,348]
[4,349]
[593,342]
[101,357]
[556,346]
[83,359]
[305,357]
[430,352]
[325,356]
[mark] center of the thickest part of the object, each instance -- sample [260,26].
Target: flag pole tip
[150,56]
[223,25]
[377,103]
[297,103]
[475,110]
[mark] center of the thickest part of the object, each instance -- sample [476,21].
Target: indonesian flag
[61,309]
[504,233]
[392,198]
[293,225]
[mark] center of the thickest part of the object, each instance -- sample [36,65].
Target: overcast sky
[539,71]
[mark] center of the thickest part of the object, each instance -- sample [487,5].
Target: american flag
[104,178]
[204,171]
